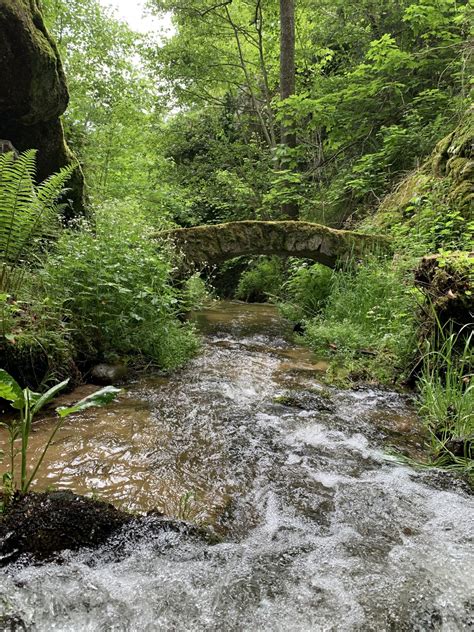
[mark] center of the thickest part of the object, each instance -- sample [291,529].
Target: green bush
[194,293]
[370,314]
[262,281]
[112,281]
[307,290]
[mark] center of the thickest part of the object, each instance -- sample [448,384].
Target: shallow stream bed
[321,529]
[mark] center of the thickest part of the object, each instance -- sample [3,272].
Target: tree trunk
[287,80]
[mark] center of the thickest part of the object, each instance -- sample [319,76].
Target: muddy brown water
[321,529]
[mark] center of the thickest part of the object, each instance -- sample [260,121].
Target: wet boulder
[33,92]
[39,527]
[108,373]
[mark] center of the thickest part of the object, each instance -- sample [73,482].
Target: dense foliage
[191,124]
[186,128]
[71,297]
[377,85]
[114,285]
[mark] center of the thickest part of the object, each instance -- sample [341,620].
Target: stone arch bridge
[212,244]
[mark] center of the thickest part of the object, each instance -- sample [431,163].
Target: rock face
[453,157]
[212,244]
[33,92]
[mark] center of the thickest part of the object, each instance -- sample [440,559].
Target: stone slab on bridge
[215,243]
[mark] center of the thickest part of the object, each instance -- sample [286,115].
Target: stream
[321,529]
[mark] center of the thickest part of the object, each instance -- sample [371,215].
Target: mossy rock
[33,92]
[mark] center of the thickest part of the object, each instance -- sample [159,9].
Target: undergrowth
[101,292]
[362,318]
[446,399]
[261,281]
[113,282]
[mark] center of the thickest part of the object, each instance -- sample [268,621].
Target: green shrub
[370,313]
[262,281]
[113,282]
[194,293]
[307,290]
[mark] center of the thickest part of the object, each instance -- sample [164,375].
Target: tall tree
[287,82]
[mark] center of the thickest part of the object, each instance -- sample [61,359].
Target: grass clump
[446,399]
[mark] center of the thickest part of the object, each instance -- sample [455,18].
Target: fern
[27,212]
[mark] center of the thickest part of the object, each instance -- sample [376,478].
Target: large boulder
[33,92]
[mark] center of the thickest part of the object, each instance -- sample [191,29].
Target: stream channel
[320,528]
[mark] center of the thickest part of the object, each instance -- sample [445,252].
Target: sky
[132,12]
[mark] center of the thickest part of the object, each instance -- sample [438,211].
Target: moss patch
[447,176]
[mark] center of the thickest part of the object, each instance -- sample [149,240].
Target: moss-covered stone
[213,244]
[33,92]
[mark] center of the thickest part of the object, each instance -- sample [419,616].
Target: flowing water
[320,529]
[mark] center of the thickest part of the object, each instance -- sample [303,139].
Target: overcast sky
[132,12]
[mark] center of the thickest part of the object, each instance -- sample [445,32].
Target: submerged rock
[108,373]
[305,400]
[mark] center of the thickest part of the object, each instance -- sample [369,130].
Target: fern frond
[47,212]
[17,201]
[27,212]
[50,189]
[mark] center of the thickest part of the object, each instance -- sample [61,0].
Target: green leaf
[45,398]
[100,398]
[11,390]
